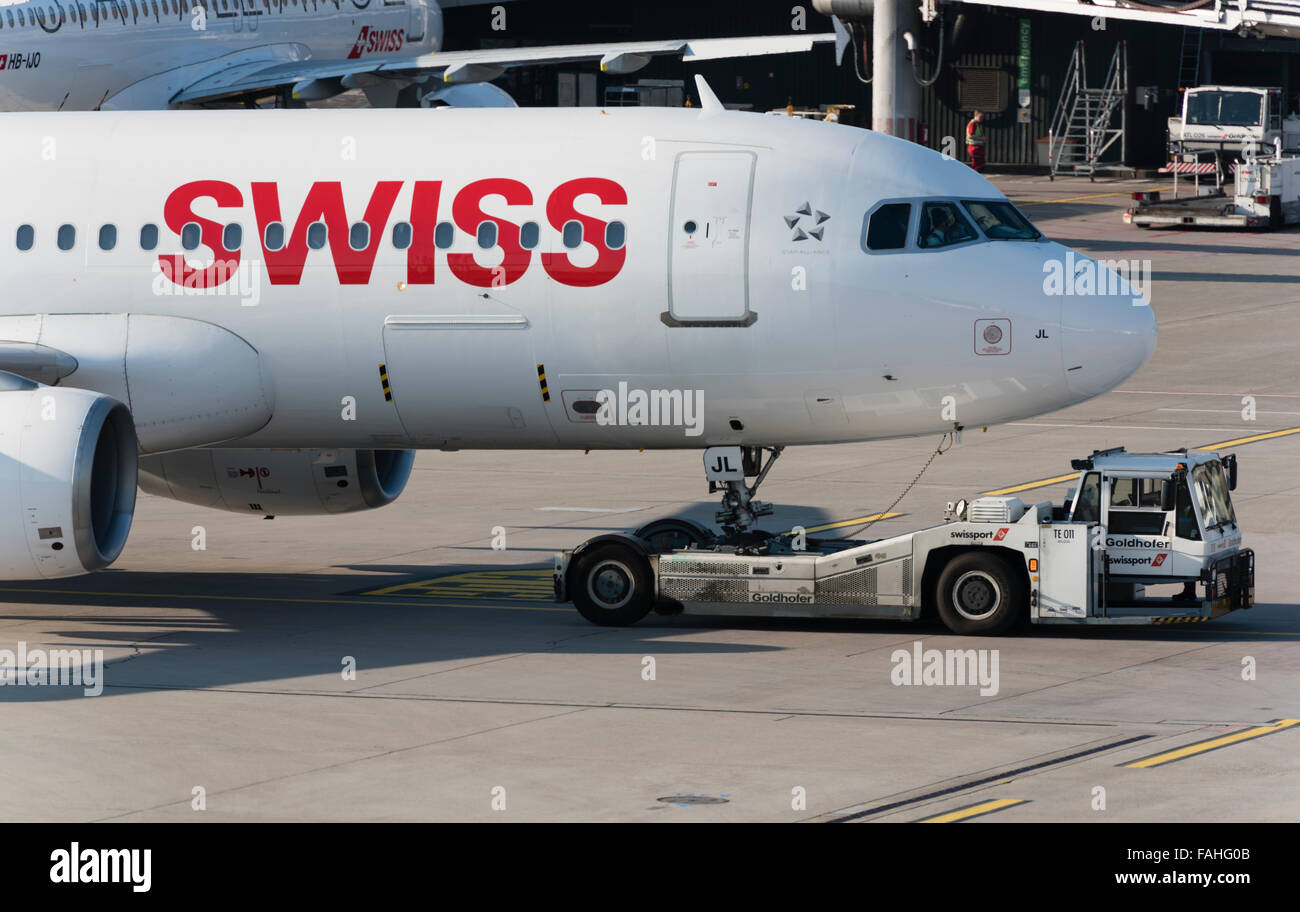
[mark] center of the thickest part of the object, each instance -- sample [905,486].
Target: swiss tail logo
[361,43]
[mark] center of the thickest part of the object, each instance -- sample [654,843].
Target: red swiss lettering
[467,212]
[560,209]
[324,203]
[424,220]
[178,211]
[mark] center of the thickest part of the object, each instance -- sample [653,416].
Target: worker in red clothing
[975,141]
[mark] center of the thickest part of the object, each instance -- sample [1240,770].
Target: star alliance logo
[816,224]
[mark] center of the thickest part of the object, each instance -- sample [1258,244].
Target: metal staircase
[1083,131]
[1189,66]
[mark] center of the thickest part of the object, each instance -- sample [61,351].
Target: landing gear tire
[611,586]
[980,594]
[673,534]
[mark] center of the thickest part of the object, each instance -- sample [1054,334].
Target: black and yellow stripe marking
[541,379]
[383,379]
[974,810]
[1178,620]
[1200,747]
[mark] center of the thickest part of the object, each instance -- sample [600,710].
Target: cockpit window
[1001,221]
[887,227]
[942,225]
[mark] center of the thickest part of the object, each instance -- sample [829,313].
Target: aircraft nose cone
[1106,338]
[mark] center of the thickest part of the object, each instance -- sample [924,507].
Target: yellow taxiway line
[975,810]
[1200,747]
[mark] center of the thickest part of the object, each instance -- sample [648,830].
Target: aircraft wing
[318,78]
[1255,17]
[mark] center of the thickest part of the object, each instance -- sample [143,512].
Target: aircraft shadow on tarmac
[218,630]
[234,630]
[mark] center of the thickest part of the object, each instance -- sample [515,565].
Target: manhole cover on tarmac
[688,800]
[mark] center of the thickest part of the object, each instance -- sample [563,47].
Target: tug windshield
[1210,491]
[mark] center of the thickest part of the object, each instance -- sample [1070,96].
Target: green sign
[1024,63]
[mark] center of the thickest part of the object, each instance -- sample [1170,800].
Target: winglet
[842,39]
[709,103]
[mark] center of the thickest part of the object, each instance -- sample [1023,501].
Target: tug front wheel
[611,586]
[980,594]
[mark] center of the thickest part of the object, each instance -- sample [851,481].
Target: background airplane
[77,55]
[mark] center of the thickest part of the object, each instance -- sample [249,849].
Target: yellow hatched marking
[532,584]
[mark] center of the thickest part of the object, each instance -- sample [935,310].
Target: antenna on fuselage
[709,103]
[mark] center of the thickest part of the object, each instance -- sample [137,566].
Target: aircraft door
[418,20]
[465,380]
[708,253]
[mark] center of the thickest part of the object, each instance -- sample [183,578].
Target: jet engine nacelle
[290,482]
[67,479]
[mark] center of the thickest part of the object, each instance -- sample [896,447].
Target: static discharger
[541,379]
[383,379]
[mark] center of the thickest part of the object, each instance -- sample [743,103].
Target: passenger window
[1087,506]
[148,237]
[573,234]
[359,236]
[529,235]
[317,235]
[233,237]
[487,235]
[942,225]
[67,237]
[402,235]
[191,234]
[444,234]
[26,236]
[107,237]
[273,236]
[615,235]
[887,227]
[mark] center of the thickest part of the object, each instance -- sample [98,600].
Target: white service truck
[1266,194]
[1135,523]
[1232,119]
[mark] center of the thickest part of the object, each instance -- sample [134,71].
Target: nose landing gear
[726,468]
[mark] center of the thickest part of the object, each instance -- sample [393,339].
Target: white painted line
[1233,395]
[1223,411]
[1097,426]
[586,510]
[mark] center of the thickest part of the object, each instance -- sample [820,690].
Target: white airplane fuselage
[621,250]
[136,54]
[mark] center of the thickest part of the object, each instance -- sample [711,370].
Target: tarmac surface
[477,699]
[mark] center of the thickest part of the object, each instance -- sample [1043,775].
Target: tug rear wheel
[611,586]
[980,594]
